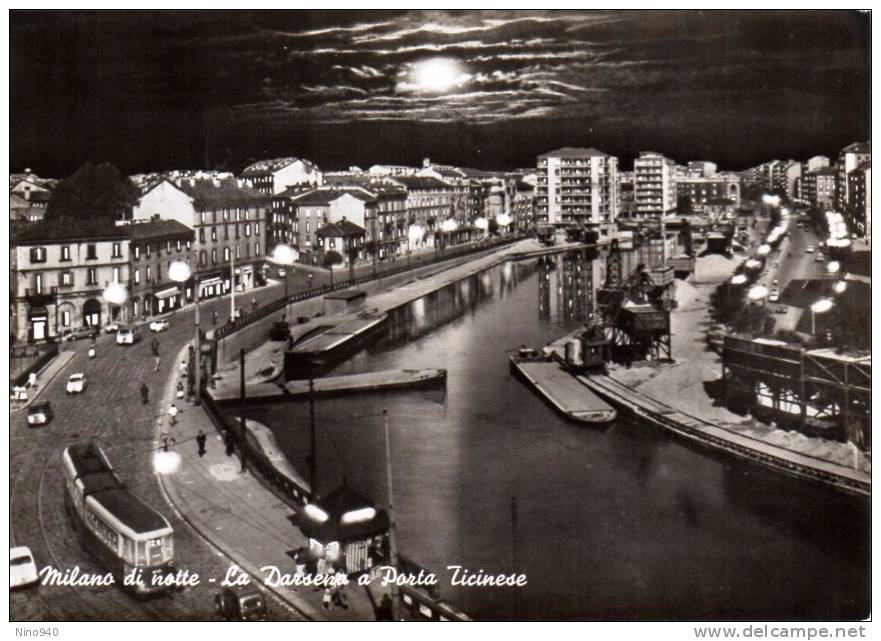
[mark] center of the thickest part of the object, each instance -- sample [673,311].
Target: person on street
[228,442]
[183,368]
[158,364]
[165,442]
[339,596]
[145,393]
[326,599]
[384,610]
[180,389]
[201,439]
[154,346]
[172,412]
[32,379]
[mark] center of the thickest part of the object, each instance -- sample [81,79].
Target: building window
[307,226]
[256,249]
[65,252]
[149,246]
[148,274]
[168,246]
[203,257]
[38,283]
[117,252]
[137,277]
[256,229]
[247,230]
[38,254]
[137,252]
[225,254]
[201,234]
[226,232]
[65,318]
[93,276]
[91,252]
[226,214]
[116,274]
[237,230]
[178,245]
[66,279]
[158,272]
[238,252]
[214,233]
[214,255]
[202,217]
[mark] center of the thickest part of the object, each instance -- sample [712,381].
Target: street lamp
[504,220]
[821,306]
[752,263]
[166,463]
[839,287]
[179,272]
[757,293]
[738,279]
[482,224]
[115,294]
[414,235]
[447,227]
[833,267]
[763,250]
[286,256]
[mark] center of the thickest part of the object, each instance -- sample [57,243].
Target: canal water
[623,523]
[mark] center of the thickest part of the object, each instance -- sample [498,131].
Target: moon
[437,75]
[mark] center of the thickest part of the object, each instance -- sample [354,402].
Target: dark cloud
[148,90]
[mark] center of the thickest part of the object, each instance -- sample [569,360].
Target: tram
[113,524]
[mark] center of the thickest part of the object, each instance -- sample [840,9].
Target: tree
[352,255]
[372,249]
[93,192]
[330,259]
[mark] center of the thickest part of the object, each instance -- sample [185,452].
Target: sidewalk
[44,377]
[238,515]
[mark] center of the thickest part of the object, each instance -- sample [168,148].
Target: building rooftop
[272,165]
[858,148]
[213,193]
[342,228]
[323,197]
[159,230]
[574,152]
[49,231]
[420,183]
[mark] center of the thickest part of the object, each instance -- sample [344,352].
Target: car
[159,325]
[780,309]
[820,258]
[776,281]
[78,333]
[809,249]
[40,413]
[244,604]
[112,328]
[279,331]
[22,569]
[774,296]
[76,384]
[128,336]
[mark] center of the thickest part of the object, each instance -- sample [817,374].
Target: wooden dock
[331,385]
[717,437]
[565,393]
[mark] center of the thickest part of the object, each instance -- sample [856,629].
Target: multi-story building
[61,271]
[273,176]
[229,221]
[576,186]
[859,210]
[814,163]
[700,190]
[701,169]
[429,203]
[783,177]
[153,246]
[391,170]
[654,187]
[817,188]
[523,206]
[849,159]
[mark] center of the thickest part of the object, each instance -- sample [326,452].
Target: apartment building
[576,186]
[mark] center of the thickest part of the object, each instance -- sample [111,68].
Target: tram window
[128,550]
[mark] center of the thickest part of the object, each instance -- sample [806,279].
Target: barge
[564,392]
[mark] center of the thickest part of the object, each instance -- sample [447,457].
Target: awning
[168,293]
[210,281]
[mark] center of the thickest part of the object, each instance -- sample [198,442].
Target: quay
[336,337]
[565,393]
[739,445]
[228,389]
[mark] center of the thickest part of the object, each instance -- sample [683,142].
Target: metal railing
[26,359]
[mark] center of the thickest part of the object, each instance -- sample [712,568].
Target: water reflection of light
[419,308]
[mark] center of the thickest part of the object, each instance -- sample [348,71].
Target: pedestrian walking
[201,439]
[326,599]
[165,444]
[158,364]
[172,412]
[228,441]
[145,393]
[154,346]
[180,389]
[183,368]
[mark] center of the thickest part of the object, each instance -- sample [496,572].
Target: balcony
[42,299]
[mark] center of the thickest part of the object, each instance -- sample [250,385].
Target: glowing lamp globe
[179,271]
[757,293]
[481,223]
[763,250]
[822,305]
[839,287]
[415,233]
[283,255]
[833,267]
[166,462]
[449,225]
[503,220]
[115,294]
[738,279]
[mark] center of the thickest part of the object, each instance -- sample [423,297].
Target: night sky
[149,91]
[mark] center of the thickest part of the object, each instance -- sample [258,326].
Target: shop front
[167,299]
[38,324]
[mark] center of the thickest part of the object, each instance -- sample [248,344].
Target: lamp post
[738,279]
[757,293]
[447,227]
[286,256]
[414,235]
[180,272]
[504,220]
[482,224]
[821,306]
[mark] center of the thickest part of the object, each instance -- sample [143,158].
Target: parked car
[809,249]
[279,331]
[774,296]
[245,604]
[820,258]
[112,328]
[76,384]
[78,333]
[40,413]
[128,336]
[159,325]
[22,569]
[780,309]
